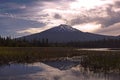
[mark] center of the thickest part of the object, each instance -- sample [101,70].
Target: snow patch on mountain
[64,28]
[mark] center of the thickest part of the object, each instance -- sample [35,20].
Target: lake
[100,49]
[53,70]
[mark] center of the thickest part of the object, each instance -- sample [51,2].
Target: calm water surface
[52,70]
[100,49]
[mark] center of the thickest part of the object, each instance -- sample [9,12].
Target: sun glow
[34,30]
[90,27]
[88,4]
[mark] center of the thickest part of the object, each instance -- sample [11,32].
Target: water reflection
[100,49]
[62,65]
[57,70]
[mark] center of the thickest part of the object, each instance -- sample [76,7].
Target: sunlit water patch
[100,49]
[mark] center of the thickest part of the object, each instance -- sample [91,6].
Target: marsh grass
[94,60]
[104,61]
[32,54]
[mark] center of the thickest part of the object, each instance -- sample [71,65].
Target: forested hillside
[105,43]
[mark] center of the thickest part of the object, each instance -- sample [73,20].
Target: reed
[94,60]
[32,54]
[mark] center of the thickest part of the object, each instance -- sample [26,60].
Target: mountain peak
[64,27]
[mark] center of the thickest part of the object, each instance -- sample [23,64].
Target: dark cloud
[80,20]
[18,23]
[26,1]
[57,16]
[117,4]
[12,25]
[14,6]
[113,18]
[18,1]
[20,6]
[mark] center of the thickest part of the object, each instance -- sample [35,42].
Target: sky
[24,17]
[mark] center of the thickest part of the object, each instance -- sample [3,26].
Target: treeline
[105,43]
[8,42]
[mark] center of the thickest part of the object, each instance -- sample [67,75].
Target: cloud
[101,15]
[33,30]
[57,16]
[9,26]
[88,27]
[113,30]
[117,4]
[33,15]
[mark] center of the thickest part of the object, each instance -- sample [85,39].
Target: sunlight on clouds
[76,9]
[71,10]
[33,30]
[78,13]
[88,4]
[30,30]
[116,9]
[89,27]
[83,13]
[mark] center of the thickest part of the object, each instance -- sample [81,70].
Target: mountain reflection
[66,70]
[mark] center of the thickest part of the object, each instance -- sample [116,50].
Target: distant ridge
[65,33]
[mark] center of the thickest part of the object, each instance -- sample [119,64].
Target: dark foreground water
[53,70]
